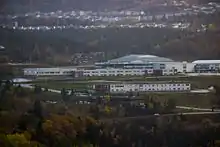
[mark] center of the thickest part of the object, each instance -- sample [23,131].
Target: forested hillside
[44,46]
[28,118]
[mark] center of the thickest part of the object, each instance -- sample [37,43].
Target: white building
[49,71]
[123,72]
[147,62]
[149,87]
[206,66]
[180,67]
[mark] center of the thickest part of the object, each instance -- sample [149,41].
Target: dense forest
[44,46]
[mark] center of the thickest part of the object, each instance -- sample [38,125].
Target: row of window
[151,85]
[48,72]
[152,89]
[120,71]
[127,71]
[167,70]
[112,74]
[45,73]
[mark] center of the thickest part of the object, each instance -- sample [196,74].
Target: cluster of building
[131,65]
[86,58]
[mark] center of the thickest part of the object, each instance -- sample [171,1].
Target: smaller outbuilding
[59,71]
[204,66]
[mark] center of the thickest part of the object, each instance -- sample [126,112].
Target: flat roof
[206,62]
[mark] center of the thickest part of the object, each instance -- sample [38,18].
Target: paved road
[32,87]
[154,116]
[198,109]
[200,91]
[203,74]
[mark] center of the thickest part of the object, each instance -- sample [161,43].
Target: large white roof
[138,59]
[206,62]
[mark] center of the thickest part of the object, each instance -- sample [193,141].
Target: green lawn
[197,82]
[60,85]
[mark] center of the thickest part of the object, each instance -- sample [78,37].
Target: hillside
[13,6]
[200,46]
[40,46]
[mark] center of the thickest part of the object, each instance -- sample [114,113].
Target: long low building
[204,66]
[126,72]
[147,62]
[131,65]
[144,87]
[59,71]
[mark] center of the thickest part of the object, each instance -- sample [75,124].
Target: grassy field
[182,99]
[60,85]
[197,82]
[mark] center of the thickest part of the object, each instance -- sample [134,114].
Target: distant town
[178,15]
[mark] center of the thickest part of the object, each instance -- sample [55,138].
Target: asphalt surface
[158,115]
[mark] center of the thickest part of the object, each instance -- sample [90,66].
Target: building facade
[147,62]
[207,66]
[126,72]
[146,87]
[49,71]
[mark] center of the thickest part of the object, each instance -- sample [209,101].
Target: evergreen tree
[38,109]
[64,94]
[37,89]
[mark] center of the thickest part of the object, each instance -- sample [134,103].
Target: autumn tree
[21,140]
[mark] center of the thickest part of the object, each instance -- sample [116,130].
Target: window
[119,85]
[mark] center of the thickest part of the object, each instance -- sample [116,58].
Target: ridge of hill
[13,6]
